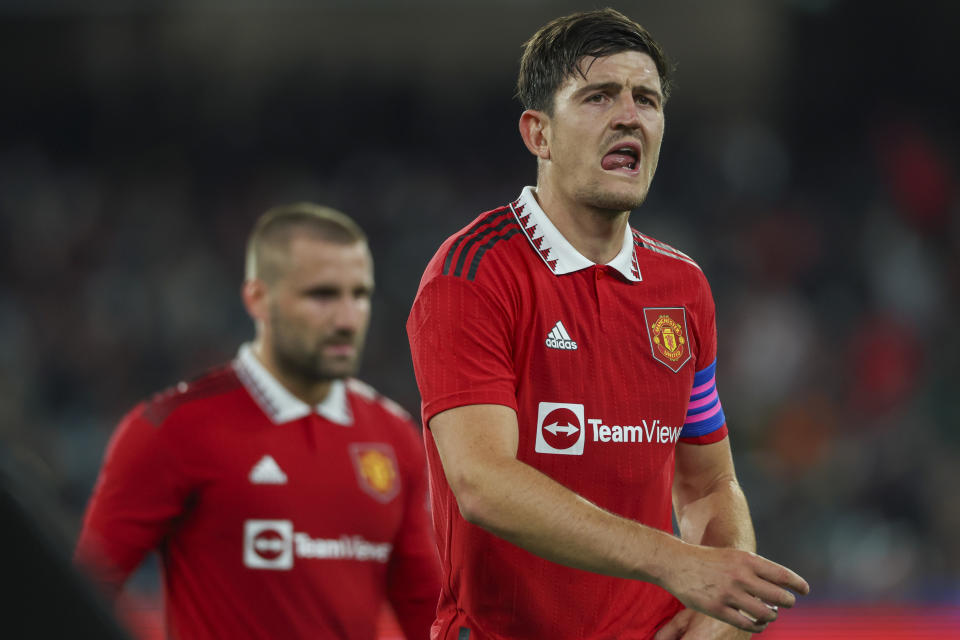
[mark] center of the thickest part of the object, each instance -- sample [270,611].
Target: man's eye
[597,97]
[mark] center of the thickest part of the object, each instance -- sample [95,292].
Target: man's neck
[308,391]
[596,233]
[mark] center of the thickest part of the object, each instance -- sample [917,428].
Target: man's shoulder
[381,417]
[377,403]
[490,237]
[204,390]
[660,254]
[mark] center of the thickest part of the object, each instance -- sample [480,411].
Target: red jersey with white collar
[607,366]
[274,519]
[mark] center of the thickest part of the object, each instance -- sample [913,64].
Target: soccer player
[566,365]
[287,499]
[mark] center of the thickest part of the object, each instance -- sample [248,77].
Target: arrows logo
[560,429]
[555,428]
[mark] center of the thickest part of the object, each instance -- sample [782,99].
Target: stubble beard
[301,358]
[596,197]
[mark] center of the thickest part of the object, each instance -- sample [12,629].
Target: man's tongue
[616,161]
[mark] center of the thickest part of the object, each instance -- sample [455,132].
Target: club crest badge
[667,330]
[377,470]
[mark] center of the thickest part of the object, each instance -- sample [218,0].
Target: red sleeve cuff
[464,398]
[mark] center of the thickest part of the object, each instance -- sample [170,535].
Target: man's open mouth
[625,156]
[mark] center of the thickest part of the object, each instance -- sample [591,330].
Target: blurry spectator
[286,498]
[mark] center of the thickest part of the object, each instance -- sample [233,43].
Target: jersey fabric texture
[607,366]
[273,519]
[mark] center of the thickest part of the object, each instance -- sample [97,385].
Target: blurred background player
[567,367]
[286,499]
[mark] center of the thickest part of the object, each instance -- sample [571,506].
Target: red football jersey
[607,367]
[274,519]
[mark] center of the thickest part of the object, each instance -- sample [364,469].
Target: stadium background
[809,165]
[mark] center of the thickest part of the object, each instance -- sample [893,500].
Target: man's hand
[737,587]
[693,625]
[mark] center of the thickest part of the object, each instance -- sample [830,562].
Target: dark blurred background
[809,165]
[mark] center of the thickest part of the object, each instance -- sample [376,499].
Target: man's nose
[348,314]
[626,114]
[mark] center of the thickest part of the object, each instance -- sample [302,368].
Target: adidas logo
[558,338]
[267,471]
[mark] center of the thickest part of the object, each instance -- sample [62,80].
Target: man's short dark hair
[554,53]
[271,234]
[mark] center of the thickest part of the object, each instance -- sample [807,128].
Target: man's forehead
[305,254]
[625,67]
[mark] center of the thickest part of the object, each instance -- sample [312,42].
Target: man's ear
[255,299]
[534,126]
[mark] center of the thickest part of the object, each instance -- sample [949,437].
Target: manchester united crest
[377,470]
[667,329]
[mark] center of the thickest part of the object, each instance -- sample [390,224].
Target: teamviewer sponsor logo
[268,544]
[273,544]
[560,429]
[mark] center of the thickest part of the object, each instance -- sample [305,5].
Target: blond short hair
[271,235]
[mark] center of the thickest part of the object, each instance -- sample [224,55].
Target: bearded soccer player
[566,365]
[287,499]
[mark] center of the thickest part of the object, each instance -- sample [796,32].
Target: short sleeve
[461,342]
[705,422]
[138,494]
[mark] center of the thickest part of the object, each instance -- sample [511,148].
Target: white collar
[281,405]
[556,251]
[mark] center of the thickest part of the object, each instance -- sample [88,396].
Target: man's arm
[710,506]
[711,510]
[413,576]
[478,447]
[138,493]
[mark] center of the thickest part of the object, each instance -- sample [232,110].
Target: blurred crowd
[828,225]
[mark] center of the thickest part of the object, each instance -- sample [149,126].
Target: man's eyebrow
[649,91]
[616,87]
[598,86]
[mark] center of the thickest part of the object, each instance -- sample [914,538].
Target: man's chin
[612,200]
[337,370]
[328,374]
[326,371]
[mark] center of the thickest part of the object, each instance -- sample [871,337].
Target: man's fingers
[675,629]
[756,611]
[773,595]
[780,575]
[670,631]
[741,620]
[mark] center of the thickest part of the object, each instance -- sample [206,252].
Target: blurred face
[318,309]
[604,135]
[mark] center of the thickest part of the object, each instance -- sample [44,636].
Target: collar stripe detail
[259,394]
[634,260]
[479,226]
[556,251]
[278,403]
[529,226]
[663,249]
